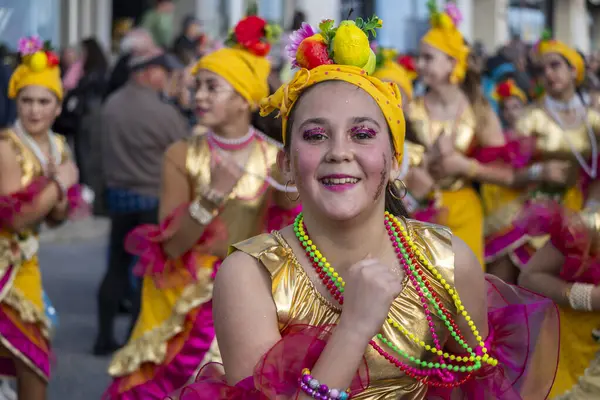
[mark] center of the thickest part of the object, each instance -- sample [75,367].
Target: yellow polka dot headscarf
[548,45]
[39,67]
[343,54]
[445,36]
[243,64]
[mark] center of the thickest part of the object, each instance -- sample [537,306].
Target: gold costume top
[550,141]
[299,302]
[164,309]
[425,132]
[24,294]
[244,211]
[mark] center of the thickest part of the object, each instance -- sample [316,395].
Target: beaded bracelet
[319,391]
[580,297]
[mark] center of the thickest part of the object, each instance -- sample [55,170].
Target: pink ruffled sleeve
[146,241]
[516,152]
[524,338]
[12,205]
[276,374]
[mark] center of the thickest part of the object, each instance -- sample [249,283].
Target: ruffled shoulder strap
[63,147]
[18,146]
[267,249]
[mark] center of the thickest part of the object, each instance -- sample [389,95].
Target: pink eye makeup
[313,134]
[363,132]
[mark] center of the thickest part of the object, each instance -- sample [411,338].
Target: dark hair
[269,125]
[392,204]
[299,18]
[95,60]
[471,85]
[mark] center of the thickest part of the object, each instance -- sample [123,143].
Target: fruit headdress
[506,89]
[388,69]
[547,44]
[243,63]
[39,67]
[445,36]
[341,53]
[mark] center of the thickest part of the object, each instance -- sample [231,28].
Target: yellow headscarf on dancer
[548,45]
[390,71]
[445,36]
[350,43]
[39,67]
[244,64]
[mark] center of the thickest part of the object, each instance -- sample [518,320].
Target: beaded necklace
[439,373]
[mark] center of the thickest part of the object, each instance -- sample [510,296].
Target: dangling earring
[397,186]
[287,191]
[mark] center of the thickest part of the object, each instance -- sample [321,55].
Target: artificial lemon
[38,61]
[369,67]
[351,45]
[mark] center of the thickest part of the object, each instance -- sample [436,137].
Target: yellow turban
[247,73]
[393,72]
[445,36]
[572,56]
[387,95]
[24,76]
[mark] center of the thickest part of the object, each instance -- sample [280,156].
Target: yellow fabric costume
[387,95]
[21,297]
[462,205]
[298,301]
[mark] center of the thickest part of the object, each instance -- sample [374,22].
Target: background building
[68,21]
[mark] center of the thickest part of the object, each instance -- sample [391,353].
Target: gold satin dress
[163,325]
[577,347]
[459,200]
[21,297]
[299,302]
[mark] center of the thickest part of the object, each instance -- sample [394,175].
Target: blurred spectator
[159,21]
[186,44]
[71,68]
[136,41]
[121,28]
[137,127]
[8,108]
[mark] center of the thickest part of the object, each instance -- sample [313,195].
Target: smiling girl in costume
[216,190]
[454,122]
[37,184]
[353,301]
[562,198]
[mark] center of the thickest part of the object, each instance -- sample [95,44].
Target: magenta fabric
[569,235]
[523,336]
[431,214]
[172,376]
[278,218]
[12,204]
[145,241]
[516,152]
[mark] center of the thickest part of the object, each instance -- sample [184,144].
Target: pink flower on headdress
[454,13]
[30,45]
[374,46]
[296,38]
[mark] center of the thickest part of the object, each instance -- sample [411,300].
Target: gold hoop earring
[288,195]
[400,186]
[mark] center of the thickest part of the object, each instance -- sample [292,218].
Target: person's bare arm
[542,275]
[471,287]
[490,135]
[10,182]
[246,325]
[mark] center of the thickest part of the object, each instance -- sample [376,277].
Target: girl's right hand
[419,182]
[225,173]
[556,172]
[370,289]
[67,174]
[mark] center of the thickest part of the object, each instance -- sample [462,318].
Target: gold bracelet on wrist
[473,169]
[202,214]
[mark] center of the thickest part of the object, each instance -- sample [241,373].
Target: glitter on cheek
[382,179]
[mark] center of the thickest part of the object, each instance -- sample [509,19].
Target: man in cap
[137,127]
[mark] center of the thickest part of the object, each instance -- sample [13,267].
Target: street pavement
[73,259]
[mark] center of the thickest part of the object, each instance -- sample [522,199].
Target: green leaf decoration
[370,25]
[48,46]
[273,32]
[379,60]
[546,35]
[432,7]
[327,30]
[252,8]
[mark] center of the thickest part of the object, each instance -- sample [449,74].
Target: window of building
[29,17]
